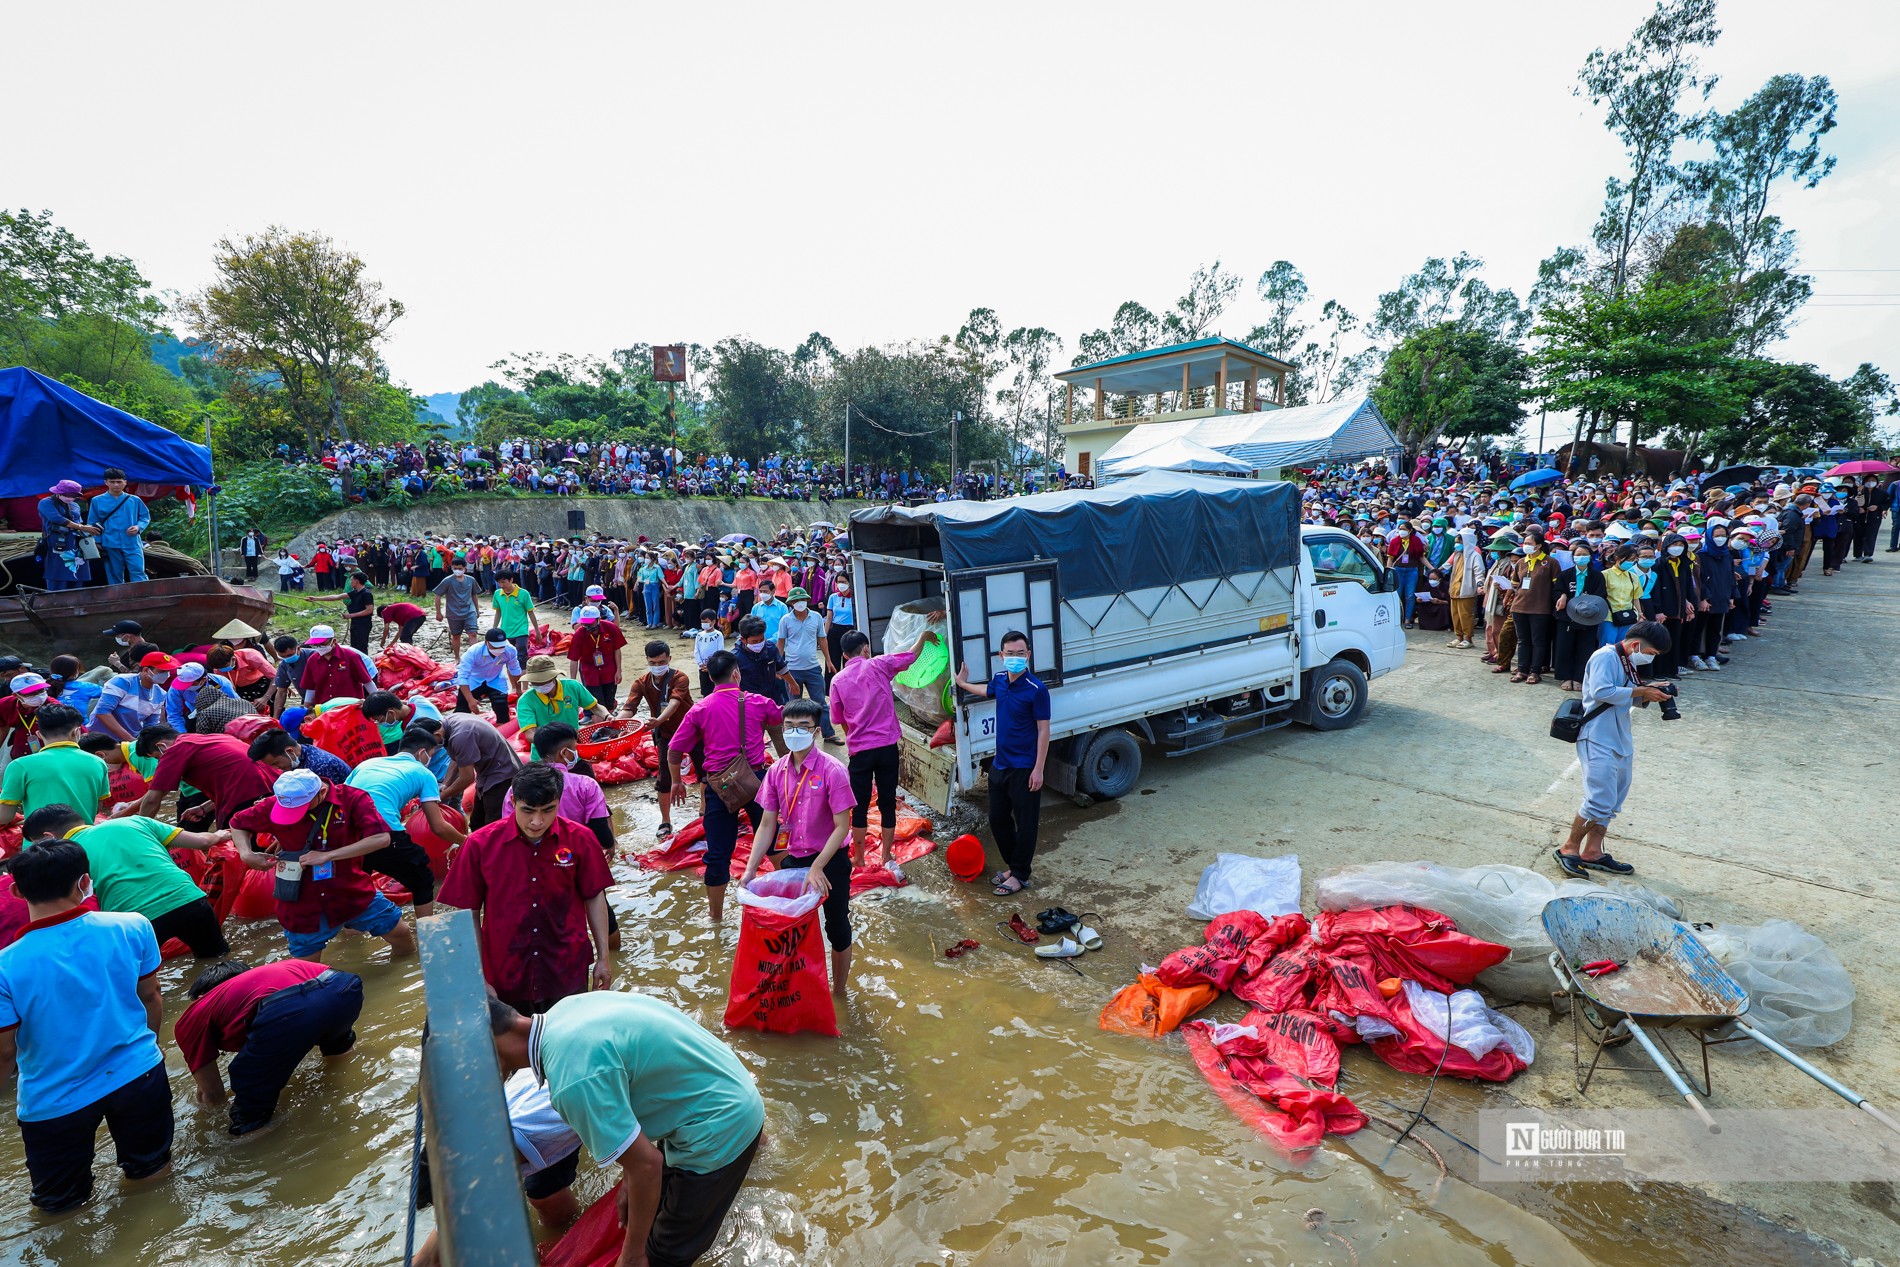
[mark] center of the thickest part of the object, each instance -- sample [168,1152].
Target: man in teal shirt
[643,1085]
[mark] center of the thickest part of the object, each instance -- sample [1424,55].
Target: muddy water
[972,1113]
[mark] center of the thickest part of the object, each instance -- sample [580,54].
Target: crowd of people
[289,756]
[569,468]
[294,757]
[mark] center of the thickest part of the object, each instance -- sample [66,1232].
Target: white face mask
[1675,552]
[754,646]
[659,670]
[546,688]
[801,607]
[1640,658]
[798,740]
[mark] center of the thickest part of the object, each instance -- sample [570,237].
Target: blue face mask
[1015,664]
[1627,565]
[1646,564]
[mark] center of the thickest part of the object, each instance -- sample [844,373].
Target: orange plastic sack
[346,734]
[1149,1009]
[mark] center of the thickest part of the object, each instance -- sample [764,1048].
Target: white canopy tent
[1178,454]
[1346,430]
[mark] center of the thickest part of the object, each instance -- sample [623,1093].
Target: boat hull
[175,612]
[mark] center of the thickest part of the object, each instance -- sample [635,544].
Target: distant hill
[168,350]
[442,405]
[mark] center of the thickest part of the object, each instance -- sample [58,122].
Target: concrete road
[1772,797]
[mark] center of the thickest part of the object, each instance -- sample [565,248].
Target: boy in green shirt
[514,612]
[132,869]
[60,773]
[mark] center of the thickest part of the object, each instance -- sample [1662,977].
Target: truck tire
[1110,765]
[1336,695]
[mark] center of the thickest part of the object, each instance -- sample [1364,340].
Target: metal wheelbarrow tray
[1668,980]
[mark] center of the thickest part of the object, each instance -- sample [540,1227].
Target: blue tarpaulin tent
[50,432]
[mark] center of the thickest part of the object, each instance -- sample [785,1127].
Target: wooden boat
[174,612]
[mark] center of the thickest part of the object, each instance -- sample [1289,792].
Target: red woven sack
[779,979]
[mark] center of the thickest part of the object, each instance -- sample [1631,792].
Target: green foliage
[1653,357]
[300,317]
[269,496]
[1449,381]
[1792,413]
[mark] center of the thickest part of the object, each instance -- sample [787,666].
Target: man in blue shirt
[79,1017]
[490,669]
[1022,749]
[122,520]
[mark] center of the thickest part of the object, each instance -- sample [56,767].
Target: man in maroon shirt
[219,766]
[19,722]
[406,617]
[271,1017]
[1405,553]
[318,831]
[537,884]
[329,672]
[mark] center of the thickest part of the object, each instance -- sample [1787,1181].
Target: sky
[576,177]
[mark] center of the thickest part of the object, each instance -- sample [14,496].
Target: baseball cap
[125,627]
[587,616]
[188,673]
[27,684]
[321,634]
[158,660]
[595,591]
[495,636]
[294,790]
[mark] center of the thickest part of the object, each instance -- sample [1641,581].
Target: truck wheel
[1110,765]
[1336,695]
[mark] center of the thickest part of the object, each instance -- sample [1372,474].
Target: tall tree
[1654,357]
[1209,292]
[65,310]
[755,398]
[1030,353]
[1774,136]
[1452,381]
[1640,88]
[1283,289]
[298,306]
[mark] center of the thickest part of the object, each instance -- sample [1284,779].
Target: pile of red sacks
[406,671]
[685,850]
[545,641]
[1314,988]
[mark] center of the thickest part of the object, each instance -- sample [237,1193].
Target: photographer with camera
[1605,747]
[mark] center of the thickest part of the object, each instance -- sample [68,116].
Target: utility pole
[211,512]
[956,416]
[847,446]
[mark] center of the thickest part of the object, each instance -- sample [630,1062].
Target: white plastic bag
[923,704]
[781,892]
[1242,882]
[1798,991]
[1501,904]
[1474,1027]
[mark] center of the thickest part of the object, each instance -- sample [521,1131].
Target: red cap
[965,858]
[158,660]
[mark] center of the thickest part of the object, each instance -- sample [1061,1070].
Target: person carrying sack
[725,734]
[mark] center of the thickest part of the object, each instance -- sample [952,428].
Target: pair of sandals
[1005,884]
[1056,921]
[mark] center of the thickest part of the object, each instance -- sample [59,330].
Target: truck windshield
[1337,560]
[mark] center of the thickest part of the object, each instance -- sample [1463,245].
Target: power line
[858,411]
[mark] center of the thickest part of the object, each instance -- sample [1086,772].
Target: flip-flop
[1065,949]
[1004,889]
[1020,930]
[1086,934]
[663,831]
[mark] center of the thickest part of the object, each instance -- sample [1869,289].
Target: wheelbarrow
[1664,979]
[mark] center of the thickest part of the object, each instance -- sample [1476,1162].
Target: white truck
[1165,612]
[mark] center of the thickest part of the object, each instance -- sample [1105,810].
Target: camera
[1671,711]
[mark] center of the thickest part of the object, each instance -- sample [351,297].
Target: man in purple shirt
[864,707]
[710,732]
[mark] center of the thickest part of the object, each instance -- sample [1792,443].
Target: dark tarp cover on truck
[1162,528]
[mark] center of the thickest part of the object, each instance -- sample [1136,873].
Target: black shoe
[1570,864]
[1603,862]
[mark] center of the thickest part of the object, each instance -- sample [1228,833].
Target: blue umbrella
[1537,478]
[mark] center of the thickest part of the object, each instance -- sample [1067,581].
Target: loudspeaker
[577,521]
